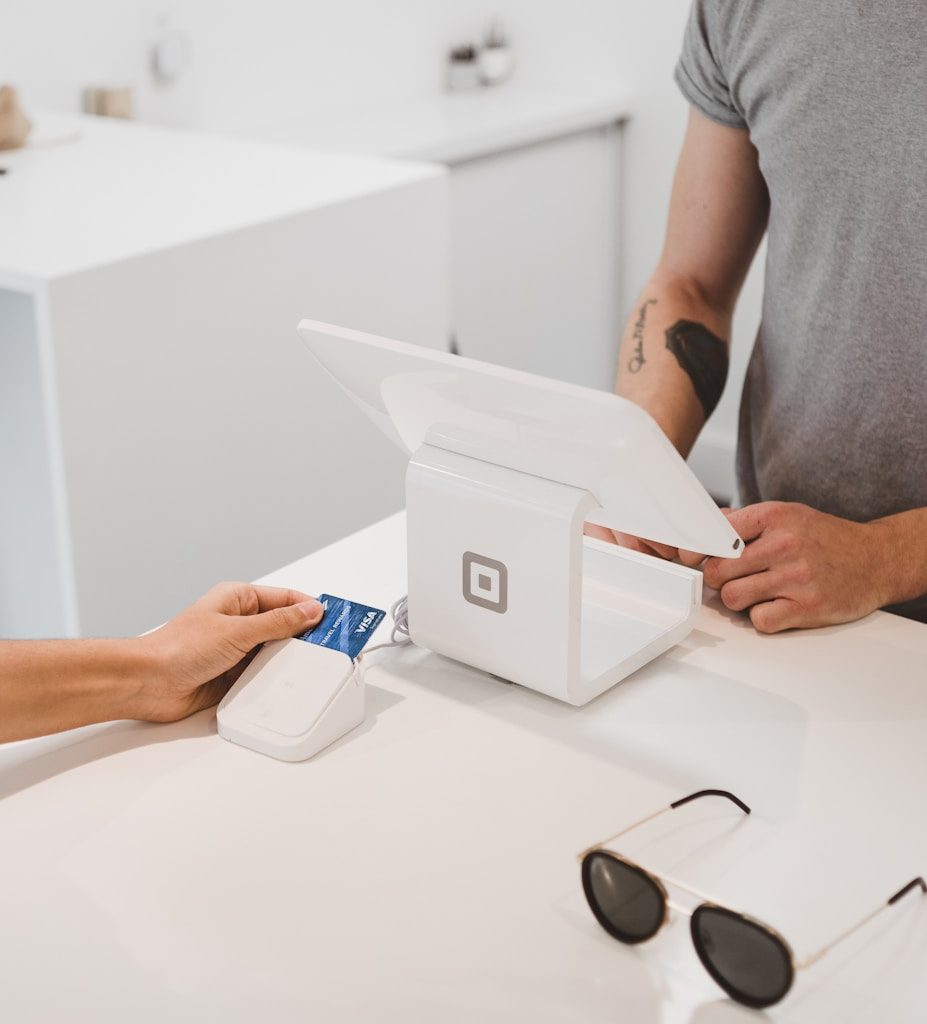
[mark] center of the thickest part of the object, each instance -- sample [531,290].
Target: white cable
[399,613]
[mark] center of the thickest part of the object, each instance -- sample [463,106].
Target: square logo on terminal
[485,582]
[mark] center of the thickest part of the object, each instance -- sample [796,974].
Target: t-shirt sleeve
[700,73]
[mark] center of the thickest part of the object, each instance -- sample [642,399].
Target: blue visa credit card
[346,625]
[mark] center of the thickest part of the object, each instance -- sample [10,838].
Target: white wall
[269,64]
[259,67]
[283,55]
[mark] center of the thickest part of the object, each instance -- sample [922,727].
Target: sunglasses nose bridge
[673,907]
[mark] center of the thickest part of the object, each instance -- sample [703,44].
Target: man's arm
[188,664]
[800,567]
[674,354]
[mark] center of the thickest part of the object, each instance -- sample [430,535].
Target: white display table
[156,407]
[423,869]
[455,127]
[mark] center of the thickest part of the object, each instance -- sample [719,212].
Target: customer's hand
[191,662]
[800,567]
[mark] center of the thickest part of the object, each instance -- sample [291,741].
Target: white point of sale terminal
[505,469]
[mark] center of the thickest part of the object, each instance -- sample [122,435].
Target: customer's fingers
[237,598]
[276,624]
[279,597]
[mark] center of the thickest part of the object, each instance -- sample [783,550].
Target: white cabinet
[534,257]
[534,206]
[161,425]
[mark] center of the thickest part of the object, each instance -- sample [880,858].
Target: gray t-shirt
[834,95]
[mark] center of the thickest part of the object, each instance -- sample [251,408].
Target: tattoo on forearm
[637,358]
[703,356]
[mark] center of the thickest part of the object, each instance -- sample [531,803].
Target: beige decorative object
[108,101]
[14,125]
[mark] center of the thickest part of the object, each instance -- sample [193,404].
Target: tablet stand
[501,578]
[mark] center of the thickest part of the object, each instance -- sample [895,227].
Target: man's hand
[194,659]
[627,540]
[800,567]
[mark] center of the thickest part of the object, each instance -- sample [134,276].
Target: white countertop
[423,868]
[90,191]
[451,127]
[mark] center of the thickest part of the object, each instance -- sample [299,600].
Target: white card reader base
[293,700]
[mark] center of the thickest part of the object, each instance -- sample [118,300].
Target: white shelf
[453,127]
[94,191]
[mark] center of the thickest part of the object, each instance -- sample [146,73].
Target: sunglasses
[749,960]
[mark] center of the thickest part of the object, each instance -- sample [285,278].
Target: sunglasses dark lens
[748,962]
[625,900]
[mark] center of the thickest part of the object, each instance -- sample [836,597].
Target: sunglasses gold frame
[661,881]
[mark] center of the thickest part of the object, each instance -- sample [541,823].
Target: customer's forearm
[674,357]
[50,685]
[900,542]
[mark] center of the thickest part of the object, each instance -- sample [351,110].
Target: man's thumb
[280,623]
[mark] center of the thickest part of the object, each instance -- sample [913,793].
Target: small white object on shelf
[14,125]
[497,58]
[109,101]
[170,56]
[463,69]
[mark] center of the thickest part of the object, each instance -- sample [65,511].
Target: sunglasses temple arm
[915,883]
[625,831]
[663,810]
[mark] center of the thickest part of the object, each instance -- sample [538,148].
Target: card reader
[293,700]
